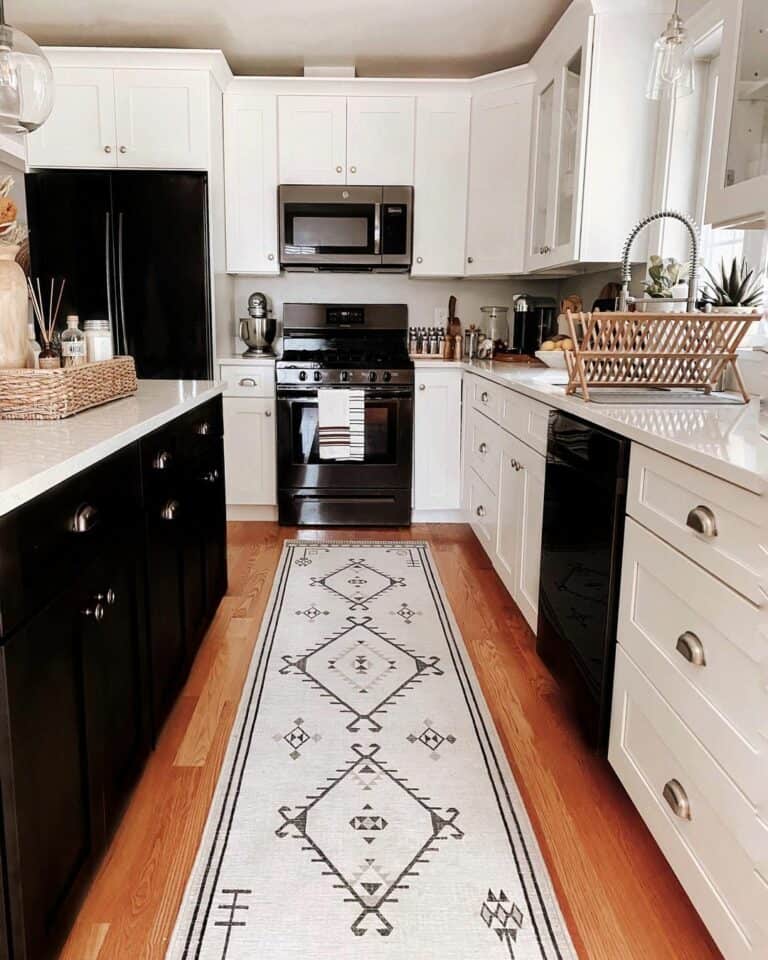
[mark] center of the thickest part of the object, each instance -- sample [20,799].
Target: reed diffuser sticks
[46,320]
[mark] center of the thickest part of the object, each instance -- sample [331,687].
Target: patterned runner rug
[365,808]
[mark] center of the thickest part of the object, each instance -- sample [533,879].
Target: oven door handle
[405,394]
[377,229]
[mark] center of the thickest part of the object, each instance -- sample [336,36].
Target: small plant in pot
[736,290]
[666,284]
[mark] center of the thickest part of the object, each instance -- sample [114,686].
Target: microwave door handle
[377,229]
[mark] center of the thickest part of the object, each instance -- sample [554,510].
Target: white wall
[422,296]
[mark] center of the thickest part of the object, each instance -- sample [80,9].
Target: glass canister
[98,338]
[495,320]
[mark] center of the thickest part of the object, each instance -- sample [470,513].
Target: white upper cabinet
[250,178]
[162,118]
[594,133]
[134,118]
[738,178]
[80,131]
[380,140]
[366,140]
[312,139]
[442,161]
[498,181]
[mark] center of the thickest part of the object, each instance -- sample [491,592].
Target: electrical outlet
[441,316]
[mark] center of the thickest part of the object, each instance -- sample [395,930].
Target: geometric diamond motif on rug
[503,918]
[406,826]
[357,583]
[296,737]
[362,670]
[431,739]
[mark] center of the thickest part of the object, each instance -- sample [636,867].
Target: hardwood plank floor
[620,899]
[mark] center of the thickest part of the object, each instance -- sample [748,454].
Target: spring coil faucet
[693,261]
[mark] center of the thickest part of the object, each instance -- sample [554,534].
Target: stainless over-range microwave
[345,228]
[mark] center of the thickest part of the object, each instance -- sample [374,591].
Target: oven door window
[381,423]
[330,228]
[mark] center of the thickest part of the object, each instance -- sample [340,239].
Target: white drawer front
[670,498]
[248,380]
[484,448]
[482,504]
[486,397]
[527,419]
[668,602]
[720,854]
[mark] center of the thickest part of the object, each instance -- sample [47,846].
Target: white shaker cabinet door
[312,135]
[380,140]
[437,440]
[250,181]
[498,181]
[162,119]
[442,164]
[80,131]
[249,451]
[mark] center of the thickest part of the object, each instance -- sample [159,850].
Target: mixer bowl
[258,333]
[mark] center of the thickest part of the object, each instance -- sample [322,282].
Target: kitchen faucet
[693,262]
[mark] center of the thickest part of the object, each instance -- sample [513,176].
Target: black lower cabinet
[91,665]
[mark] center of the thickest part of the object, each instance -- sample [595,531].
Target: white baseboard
[243,511]
[438,516]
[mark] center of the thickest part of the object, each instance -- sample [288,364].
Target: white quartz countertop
[35,455]
[725,440]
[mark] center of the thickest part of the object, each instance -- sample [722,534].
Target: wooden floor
[620,899]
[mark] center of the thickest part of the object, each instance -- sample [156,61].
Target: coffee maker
[533,320]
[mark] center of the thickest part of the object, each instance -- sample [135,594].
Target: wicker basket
[691,350]
[55,394]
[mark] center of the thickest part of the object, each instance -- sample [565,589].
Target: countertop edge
[45,480]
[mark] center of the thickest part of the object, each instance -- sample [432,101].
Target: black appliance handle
[108,271]
[121,299]
[290,394]
[377,228]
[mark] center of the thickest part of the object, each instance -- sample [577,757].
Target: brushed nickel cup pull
[480,511]
[691,648]
[483,448]
[203,429]
[677,799]
[96,611]
[702,520]
[86,517]
[171,510]
[246,382]
[162,460]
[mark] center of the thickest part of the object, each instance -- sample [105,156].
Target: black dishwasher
[582,536]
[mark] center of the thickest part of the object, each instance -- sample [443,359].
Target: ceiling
[415,38]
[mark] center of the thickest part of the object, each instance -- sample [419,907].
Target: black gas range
[338,346]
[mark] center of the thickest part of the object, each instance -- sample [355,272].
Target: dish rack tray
[691,350]
[63,392]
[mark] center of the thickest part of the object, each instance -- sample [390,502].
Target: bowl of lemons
[552,351]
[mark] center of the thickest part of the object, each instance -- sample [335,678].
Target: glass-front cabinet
[738,180]
[558,159]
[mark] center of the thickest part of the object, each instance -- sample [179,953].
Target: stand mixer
[258,329]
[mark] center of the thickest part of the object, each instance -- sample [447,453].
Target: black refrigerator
[133,247]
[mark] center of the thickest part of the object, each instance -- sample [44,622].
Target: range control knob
[317,375]
[372,376]
[386,377]
[302,374]
[344,376]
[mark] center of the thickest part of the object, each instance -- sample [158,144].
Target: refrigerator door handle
[121,300]
[108,270]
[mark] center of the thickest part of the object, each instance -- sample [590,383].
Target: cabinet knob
[123,149]
[691,648]
[85,518]
[246,382]
[514,464]
[212,476]
[203,429]
[483,448]
[267,413]
[96,611]
[419,259]
[422,386]
[353,169]
[518,466]
[702,520]
[162,460]
[270,256]
[677,798]
[339,169]
[484,397]
[470,259]
[480,511]
[171,510]
[110,597]
[107,149]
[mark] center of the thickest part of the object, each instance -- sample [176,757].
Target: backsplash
[422,296]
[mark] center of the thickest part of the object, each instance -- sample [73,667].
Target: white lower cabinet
[483,507]
[250,451]
[437,439]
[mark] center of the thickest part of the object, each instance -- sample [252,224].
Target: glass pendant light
[671,73]
[26,81]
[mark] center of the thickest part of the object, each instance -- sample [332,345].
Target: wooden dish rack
[691,350]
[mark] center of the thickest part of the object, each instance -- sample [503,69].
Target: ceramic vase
[13,310]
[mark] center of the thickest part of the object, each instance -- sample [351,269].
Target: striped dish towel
[341,424]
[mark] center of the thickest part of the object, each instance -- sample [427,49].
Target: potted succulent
[736,290]
[666,284]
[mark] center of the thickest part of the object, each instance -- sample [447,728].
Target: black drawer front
[46,542]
